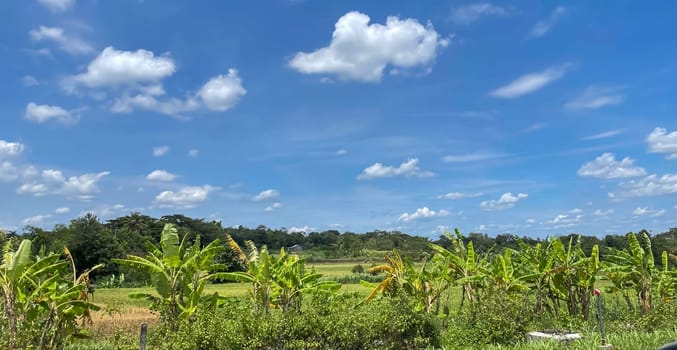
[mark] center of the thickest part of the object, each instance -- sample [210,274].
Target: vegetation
[456,292]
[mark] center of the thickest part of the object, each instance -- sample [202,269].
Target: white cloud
[106,210]
[603,135]
[651,185]
[57,5]
[62,210]
[471,157]
[596,97]
[660,141]
[468,14]
[408,168]
[304,229]
[222,92]
[161,175]
[530,82]
[643,211]
[193,152]
[530,221]
[160,151]
[8,171]
[361,51]
[44,113]
[565,220]
[576,211]
[422,213]
[81,187]
[10,149]
[459,195]
[607,167]
[114,67]
[534,127]
[507,200]
[600,212]
[341,152]
[266,195]
[68,44]
[29,81]
[543,27]
[36,189]
[186,197]
[274,206]
[171,106]
[36,220]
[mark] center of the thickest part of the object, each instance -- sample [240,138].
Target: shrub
[328,324]
[358,269]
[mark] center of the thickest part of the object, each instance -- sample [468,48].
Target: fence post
[142,337]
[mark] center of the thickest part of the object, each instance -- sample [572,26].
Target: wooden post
[142,337]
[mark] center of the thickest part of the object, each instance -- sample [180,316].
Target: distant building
[295,249]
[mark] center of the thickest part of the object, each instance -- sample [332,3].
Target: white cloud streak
[530,82]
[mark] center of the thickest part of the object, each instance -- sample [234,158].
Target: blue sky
[528,117]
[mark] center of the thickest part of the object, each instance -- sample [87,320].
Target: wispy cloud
[472,157]
[471,13]
[597,97]
[534,127]
[603,135]
[542,27]
[459,195]
[531,82]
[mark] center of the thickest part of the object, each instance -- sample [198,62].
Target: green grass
[625,341]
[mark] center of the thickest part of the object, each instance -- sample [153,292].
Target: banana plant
[634,267]
[666,285]
[40,301]
[536,263]
[466,267]
[276,282]
[505,278]
[179,273]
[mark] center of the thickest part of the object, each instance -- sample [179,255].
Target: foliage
[280,281]
[179,273]
[327,323]
[42,302]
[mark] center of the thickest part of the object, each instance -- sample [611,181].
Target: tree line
[92,241]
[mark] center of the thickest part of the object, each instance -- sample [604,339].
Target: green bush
[498,319]
[327,324]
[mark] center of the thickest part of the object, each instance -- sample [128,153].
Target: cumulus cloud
[222,92]
[304,229]
[543,27]
[645,211]
[660,141]
[652,185]
[62,210]
[10,149]
[161,175]
[266,195]
[193,152]
[531,82]
[115,67]
[507,200]
[160,151]
[66,43]
[600,212]
[607,167]
[36,220]
[595,97]
[361,51]
[45,113]
[459,195]
[273,207]
[185,197]
[471,13]
[82,187]
[57,5]
[8,171]
[422,213]
[408,169]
